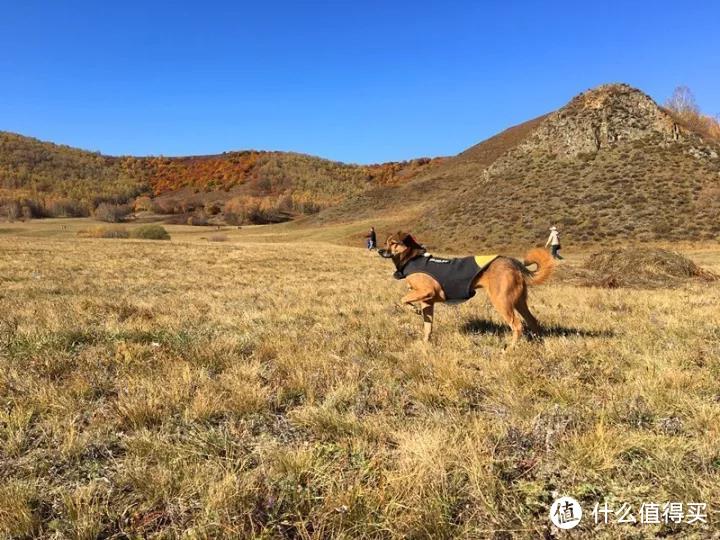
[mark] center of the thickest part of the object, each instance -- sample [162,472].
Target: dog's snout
[384,254]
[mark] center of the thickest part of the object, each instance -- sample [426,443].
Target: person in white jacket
[554,242]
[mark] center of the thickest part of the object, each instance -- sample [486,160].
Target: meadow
[263,388]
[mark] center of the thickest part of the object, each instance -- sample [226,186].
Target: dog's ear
[409,240]
[399,237]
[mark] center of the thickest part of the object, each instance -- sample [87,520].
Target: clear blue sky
[358,81]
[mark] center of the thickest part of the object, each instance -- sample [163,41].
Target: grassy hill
[610,166]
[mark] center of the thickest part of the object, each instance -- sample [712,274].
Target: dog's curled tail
[545,265]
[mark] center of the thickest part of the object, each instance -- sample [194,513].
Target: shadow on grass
[482,326]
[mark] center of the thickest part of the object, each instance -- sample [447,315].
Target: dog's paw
[403,308]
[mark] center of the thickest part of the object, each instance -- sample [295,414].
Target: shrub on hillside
[10,210]
[166,206]
[231,218]
[309,207]
[150,232]
[21,208]
[257,215]
[213,208]
[112,213]
[104,232]
[285,203]
[256,211]
[66,208]
[143,204]
[198,219]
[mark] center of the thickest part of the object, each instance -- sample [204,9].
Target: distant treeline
[235,211]
[39,179]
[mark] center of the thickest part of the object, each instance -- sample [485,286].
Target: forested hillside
[39,179]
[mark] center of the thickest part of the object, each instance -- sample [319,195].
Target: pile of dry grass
[642,267]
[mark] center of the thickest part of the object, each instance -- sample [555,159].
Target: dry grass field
[243,389]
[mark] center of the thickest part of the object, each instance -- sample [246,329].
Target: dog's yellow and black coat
[455,276]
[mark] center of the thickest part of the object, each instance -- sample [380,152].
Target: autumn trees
[685,110]
[40,179]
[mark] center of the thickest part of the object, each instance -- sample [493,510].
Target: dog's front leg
[425,296]
[414,296]
[427,313]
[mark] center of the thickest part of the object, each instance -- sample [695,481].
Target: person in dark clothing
[371,239]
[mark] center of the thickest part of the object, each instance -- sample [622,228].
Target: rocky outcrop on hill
[600,118]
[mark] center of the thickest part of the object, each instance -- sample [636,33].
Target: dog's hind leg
[513,321]
[522,308]
[427,313]
[503,297]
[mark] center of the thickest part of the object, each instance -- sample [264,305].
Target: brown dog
[505,279]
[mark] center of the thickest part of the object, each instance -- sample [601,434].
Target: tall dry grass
[274,390]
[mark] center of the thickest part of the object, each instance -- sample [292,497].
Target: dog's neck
[405,257]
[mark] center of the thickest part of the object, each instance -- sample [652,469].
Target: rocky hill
[610,166]
[601,118]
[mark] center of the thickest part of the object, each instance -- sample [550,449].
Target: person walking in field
[554,242]
[371,239]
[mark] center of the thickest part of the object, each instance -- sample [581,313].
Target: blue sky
[357,81]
